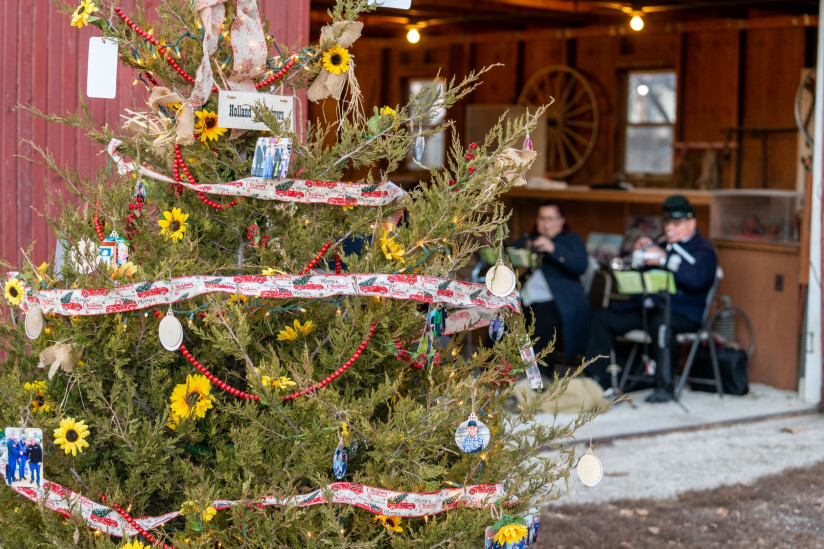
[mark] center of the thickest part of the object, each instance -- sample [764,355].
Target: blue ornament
[340,461]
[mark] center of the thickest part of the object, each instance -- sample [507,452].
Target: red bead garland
[337,372]
[337,263]
[316,258]
[134,524]
[179,164]
[162,51]
[249,396]
[98,227]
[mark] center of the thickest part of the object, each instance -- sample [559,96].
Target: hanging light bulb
[413,36]
[637,21]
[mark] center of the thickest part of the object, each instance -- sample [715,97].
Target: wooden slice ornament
[34,322]
[589,469]
[170,332]
[500,280]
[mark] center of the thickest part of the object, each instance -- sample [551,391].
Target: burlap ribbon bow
[248,55]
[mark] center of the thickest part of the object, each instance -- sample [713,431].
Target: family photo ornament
[114,251]
[472,436]
[496,328]
[271,158]
[340,461]
[22,450]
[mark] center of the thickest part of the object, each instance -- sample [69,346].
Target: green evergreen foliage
[397,422]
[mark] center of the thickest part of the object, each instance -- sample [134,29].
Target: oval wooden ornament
[170,333]
[34,322]
[589,469]
[500,280]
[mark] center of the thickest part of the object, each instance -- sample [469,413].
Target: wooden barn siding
[727,78]
[44,64]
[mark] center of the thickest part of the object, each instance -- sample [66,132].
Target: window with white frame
[650,122]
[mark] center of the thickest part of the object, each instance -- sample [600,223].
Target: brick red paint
[44,64]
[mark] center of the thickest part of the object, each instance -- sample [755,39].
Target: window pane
[649,150]
[433,153]
[651,97]
[433,87]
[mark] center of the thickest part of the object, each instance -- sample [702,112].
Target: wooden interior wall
[728,78]
[45,65]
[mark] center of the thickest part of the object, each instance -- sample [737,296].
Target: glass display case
[769,216]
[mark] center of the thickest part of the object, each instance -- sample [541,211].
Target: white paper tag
[234,109]
[102,76]
[397,4]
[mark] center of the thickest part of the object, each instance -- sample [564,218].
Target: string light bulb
[637,21]
[413,36]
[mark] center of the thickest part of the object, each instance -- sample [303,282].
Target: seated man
[692,260]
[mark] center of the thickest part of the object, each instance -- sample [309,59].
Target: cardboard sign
[234,109]
[101,80]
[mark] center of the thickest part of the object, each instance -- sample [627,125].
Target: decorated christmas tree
[255,338]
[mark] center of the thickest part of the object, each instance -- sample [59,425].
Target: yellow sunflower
[81,15]
[391,249]
[192,398]
[127,270]
[207,127]
[282,382]
[237,298]
[134,545]
[268,271]
[208,513]
[390,523]
[511,533]
[71,436]
[291,334]
[38,401]
[15,291]
[174,225]
[388,111]
[336,60]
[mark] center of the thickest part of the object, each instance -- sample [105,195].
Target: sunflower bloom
[237,298]
[38,401]
[174,225]
[511,533]
[192,398]
[71,435]
[81,15]
[307,327]
[127,270]
[134,545]
[268,271]
[390,523]
[208,513]
[391,249]
[282,382]
[207,127]
[336,60]
[15,291]
[291,334]
[388,111]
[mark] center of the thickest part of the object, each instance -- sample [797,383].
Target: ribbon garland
[377,501]
[340,193]
[144,295]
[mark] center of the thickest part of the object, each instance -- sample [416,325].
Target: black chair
[704,334]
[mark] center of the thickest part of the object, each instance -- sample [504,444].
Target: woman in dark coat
[563,306]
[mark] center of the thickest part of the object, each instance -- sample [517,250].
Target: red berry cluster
[507,377]
[135,211]
[402,354]
[253,234]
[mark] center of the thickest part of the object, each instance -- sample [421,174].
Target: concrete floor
[697,410]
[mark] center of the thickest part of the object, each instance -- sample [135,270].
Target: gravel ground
[660,467]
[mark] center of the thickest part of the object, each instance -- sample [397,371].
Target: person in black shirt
[692,260]
[34,451]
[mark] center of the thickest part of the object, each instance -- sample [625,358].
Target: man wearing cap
[473,442]
[691,259]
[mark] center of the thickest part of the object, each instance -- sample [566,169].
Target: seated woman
[552,294]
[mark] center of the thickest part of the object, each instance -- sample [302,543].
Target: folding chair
[704,333]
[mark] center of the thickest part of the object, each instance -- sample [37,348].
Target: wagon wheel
[572,121]
[805,107]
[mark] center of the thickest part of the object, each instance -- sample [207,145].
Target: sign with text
[234,109]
